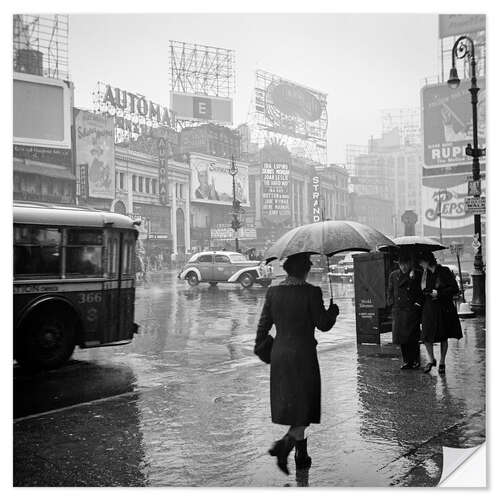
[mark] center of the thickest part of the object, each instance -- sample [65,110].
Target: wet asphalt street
[187,403]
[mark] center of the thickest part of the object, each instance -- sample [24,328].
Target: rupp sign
[447,123]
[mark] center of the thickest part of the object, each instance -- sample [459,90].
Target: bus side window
[37,251]
[113,256]
[84,252]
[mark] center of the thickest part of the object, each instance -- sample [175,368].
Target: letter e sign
[202,108]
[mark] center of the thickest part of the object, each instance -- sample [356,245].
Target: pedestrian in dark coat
[440,320]
[406,298]
[296,308]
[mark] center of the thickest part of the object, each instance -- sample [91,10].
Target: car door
[205,266]
[223,268]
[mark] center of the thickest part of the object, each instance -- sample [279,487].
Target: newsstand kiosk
[371,278]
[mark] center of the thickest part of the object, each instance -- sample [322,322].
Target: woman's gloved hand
[333,309]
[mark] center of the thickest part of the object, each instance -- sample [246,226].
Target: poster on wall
[447,122]
[456,220]
[275,192]
[212,183]
[95,147]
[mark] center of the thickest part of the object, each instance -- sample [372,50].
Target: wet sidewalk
[195,410]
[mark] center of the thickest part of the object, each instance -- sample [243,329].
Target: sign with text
[95,147]
[134,114]
[212,183]
[316,198]
[456,221]
[162,171]
[447,123]
[475,204]
[202,108]
[226,232]
[54,156]
[275,181]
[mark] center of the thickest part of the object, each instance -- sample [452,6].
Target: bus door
[126,287]
[113,242]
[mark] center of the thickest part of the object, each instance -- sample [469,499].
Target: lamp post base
[478,304]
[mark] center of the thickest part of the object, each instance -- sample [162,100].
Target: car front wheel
[192,279]
[247,280]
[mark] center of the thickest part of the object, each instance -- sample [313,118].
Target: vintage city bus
[74,281]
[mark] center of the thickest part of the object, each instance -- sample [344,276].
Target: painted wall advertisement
[95,147]
[452,190]
[276,192]
[212,183]
[447,121]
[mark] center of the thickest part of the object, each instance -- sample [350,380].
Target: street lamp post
[235,223]
[464,47]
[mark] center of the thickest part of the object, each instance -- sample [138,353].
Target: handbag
[263,349]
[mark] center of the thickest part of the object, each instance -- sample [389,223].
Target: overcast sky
[364,62]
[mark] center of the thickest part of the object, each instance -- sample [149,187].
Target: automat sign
[134,114]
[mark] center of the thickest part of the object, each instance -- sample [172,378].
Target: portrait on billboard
[95,147]
[211,181]
[447,118]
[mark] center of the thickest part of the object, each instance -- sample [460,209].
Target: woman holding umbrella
[296,308]
[439,317]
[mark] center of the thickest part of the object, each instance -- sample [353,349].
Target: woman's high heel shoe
[281,449]
[429,366]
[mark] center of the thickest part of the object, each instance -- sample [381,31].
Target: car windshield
[237,257]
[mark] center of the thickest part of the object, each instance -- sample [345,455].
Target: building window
[134,183]
[153,186]
[141,180]
[147,185]
[122,180]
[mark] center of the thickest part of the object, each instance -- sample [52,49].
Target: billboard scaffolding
[202,83]
[291,113]
[40,45]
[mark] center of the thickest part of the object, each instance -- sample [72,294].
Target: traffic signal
[235,224]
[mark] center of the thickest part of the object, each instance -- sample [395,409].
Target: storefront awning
[45,169]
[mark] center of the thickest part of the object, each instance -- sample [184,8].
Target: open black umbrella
[327,238]
[418,243]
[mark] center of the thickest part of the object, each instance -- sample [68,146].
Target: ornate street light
[464,47]
[235,223]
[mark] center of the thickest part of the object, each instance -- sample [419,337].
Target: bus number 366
[89,298]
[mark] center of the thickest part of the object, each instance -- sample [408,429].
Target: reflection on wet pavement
[195,410]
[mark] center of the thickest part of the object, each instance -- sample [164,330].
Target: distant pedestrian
[406,298]
[173,260]
[296,308]
[439,316]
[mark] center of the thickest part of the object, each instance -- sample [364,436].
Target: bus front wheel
[48,340]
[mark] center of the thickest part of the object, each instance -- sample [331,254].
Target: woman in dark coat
[439,316]
[406,298]
[296,308]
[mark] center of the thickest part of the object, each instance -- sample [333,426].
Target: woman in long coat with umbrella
[296,308]
[439,316]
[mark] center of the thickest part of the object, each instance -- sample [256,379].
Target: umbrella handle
[328,276]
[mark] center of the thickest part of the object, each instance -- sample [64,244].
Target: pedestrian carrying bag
[263,349]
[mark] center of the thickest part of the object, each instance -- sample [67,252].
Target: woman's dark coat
[404,293]
[295,310]
[439,316]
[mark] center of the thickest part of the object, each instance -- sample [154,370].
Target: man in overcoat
[406,298]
